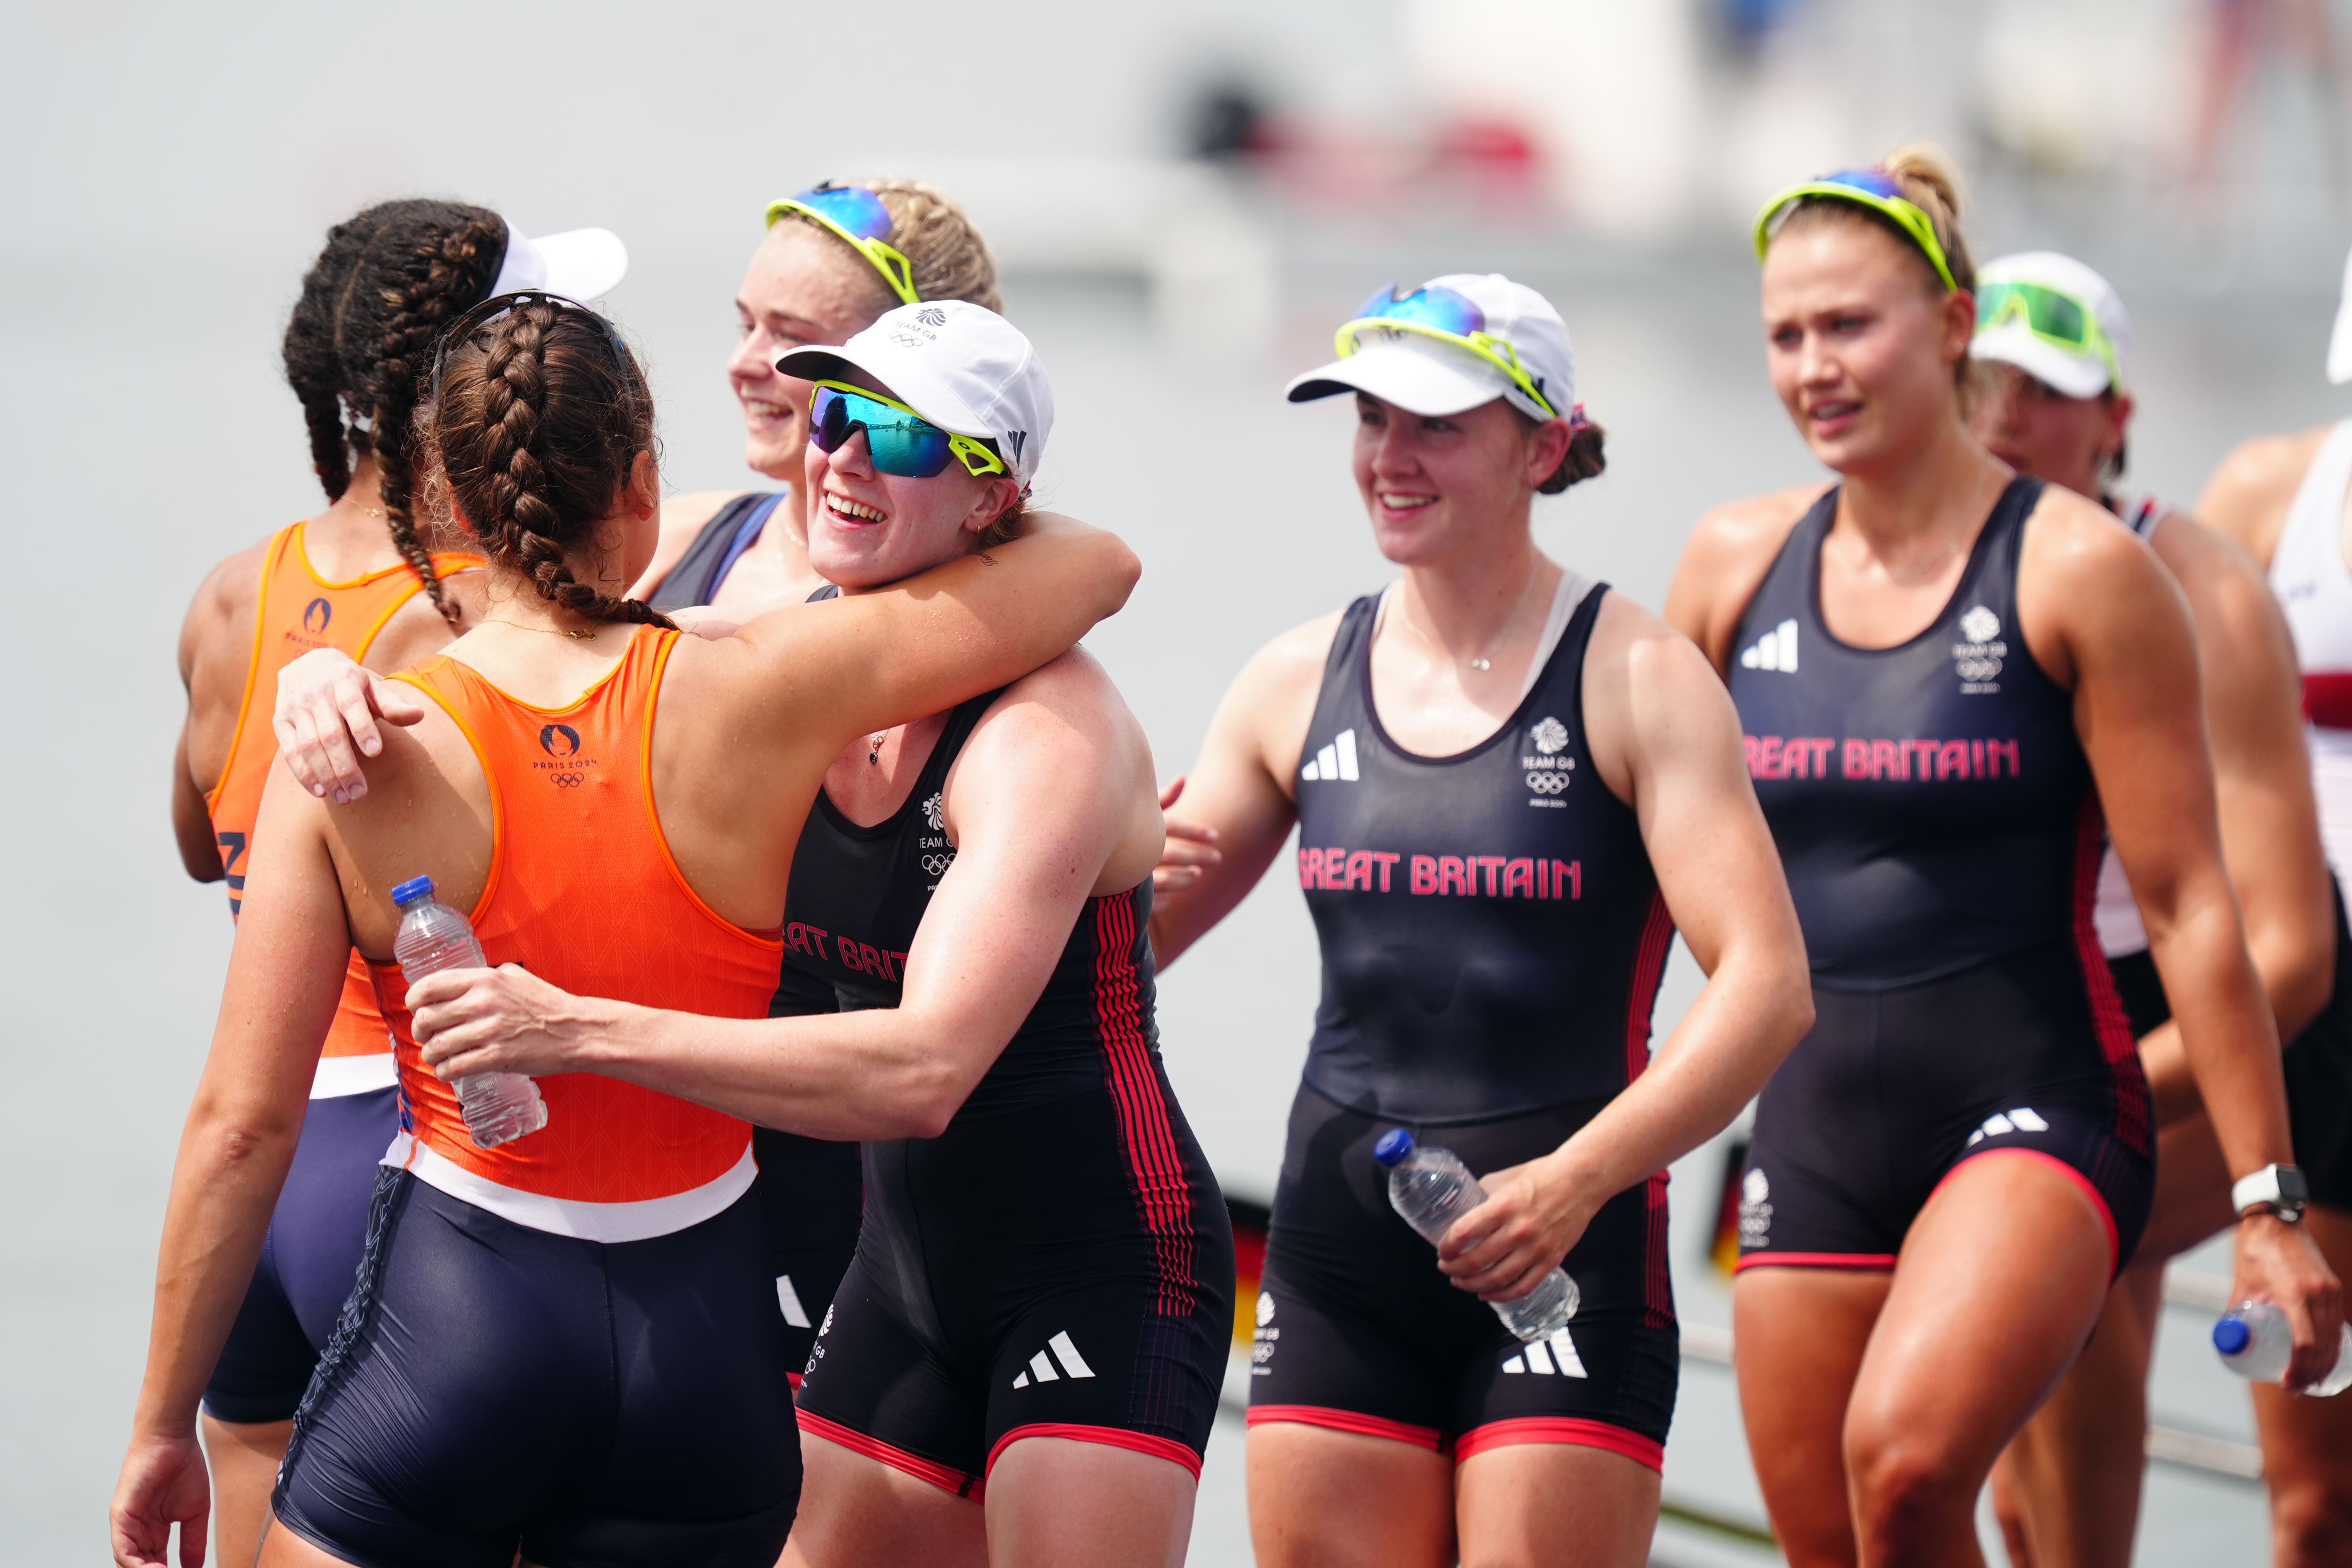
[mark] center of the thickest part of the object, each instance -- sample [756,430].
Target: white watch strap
[2260,1187]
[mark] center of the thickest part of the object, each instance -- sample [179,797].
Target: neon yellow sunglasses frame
[1497,352]
[1906,214]
[895,270]
[2005,300]
[977,459]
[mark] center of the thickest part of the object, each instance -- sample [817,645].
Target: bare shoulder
[1729,550]
[2250,490]
[1072,695]
[2072,534]
[1292,662]
[223,605]
[417,630]
[1635,659]
[2226,588]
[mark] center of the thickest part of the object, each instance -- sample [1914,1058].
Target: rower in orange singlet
[355,578]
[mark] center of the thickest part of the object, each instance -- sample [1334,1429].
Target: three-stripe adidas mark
[2020,1119]
[1042,1366]
[788,1302]
[1556,1354]
[1776,649]
[1334,761]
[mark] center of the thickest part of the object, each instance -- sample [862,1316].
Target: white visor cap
[2339,343]
[1432,377]
[580,264]
[2010,340]
[962,366]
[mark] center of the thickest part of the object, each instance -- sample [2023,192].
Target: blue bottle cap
[1394,1148]
[2231,1335]
[414,891]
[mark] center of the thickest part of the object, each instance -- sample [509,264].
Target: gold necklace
[1481,661]
[548,631]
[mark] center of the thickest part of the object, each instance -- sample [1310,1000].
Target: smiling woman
[1488,970]
[1992,664]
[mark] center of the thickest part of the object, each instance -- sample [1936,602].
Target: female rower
[834,259]
[1487,974]
[2052,347]
[1025,1359]
[567,1345]
[2286,498]
[357,578]
[1945,671]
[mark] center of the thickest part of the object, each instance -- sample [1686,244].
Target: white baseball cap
[962,366]
[580,264]
[1416,350]
[2008,338]
[2339,343]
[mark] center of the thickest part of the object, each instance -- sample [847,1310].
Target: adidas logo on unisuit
[1335,763]
[1556,1354]
[1058,1350]
[1775,650]
[2020,1119]
[788,1302]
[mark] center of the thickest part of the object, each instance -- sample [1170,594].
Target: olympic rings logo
[937,865]
[570,781]
[1548,783]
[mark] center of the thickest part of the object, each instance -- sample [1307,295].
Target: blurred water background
[1186,199]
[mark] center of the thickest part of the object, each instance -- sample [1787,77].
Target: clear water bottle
[499,1106]
[1432,1188]
[2255,1343]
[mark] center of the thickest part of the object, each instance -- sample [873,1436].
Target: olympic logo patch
[1548,783]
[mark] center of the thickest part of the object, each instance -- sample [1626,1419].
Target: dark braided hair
[373,305]
[539,415]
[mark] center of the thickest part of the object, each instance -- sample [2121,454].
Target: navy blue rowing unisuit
[1492,937]
[1057,1262]
[1938,821]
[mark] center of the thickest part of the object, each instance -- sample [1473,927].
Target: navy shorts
[1358,1331]
[1063,1271]
[493,1388]
[811,1192]
[1891,1089]
[308,1259]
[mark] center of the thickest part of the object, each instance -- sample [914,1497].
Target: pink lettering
[1820,747]
[1997,750]
[1926,750]
[1425,874]
[1768,759]
[870,958]
[897,964]
[1569,876]
[1857,759]
[1755,754]
[1385,861]
[1493,864]
[1520,879]
[1359,873]
[1951,757]
[1307,865]
[1976,759]
[1885,757]
[1452,877]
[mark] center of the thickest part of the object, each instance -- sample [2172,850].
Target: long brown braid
[539,417]
[372,306]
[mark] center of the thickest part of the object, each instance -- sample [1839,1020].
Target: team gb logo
[1981,625]
[1549,736]
[931,811]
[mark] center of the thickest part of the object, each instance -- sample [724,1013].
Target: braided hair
[372,306]
[540,416]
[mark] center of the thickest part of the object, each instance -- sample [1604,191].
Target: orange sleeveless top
[297,611]
[582,892]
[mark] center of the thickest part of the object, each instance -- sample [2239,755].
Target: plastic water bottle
[499,1106]
[1432,1188]
[2255,1343]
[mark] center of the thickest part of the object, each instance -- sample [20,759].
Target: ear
[1959,323]
[1546,445]
[642,496]
[997,495]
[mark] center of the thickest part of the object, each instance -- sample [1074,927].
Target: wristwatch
[2279,1189]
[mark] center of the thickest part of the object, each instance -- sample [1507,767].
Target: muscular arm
[1049,805]
[284,977]
[1241,795]
[2269,822]
[2099,612]
[1664,735]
